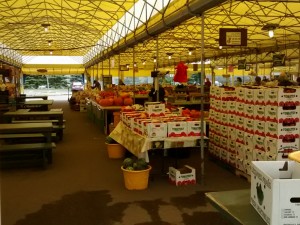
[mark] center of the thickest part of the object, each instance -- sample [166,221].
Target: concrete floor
[84,187]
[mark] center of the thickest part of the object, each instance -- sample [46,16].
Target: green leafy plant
[110,140]
[134,163]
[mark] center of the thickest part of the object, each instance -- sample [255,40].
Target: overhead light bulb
[49,43]
[271,33]
[154,60]
[144,62]
[220,47]
[46,26]
[51,52]
[169,57]
[190,52]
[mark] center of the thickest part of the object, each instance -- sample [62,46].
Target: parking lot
[55,94]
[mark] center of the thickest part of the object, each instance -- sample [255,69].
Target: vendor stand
[140,145]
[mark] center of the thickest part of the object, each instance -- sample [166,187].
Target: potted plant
[136,173]
[114,149]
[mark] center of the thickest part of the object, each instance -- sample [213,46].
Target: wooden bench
[26,154]
[57,128]
[56,118]
[26,138]
[20,154]
[38,121]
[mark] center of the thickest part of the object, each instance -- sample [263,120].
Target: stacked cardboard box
[155,122]
[257,123]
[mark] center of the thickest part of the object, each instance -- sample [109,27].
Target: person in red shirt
[207,82]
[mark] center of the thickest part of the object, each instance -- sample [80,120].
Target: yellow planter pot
[136,180]
[115,151]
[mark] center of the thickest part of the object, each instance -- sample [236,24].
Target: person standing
[96,84]
[239,82]
[161,93]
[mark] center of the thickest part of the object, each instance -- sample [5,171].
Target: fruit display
[134,163]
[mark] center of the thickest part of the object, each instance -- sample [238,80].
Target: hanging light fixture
[50,42]
[191,51]
[46,26]
[270,27]
[51,52]
[154,59]
[271,33]
[169,55]
[144,62]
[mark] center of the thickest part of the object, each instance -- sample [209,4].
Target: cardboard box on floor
[182,176]
[275,191]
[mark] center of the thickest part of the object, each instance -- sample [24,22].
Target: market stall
[140,145]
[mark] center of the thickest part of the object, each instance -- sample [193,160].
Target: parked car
[77,86]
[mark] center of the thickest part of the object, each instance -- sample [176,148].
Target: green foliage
[134,163]
[50,81]
[109,140]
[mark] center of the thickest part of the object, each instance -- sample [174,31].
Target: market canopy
[170,31]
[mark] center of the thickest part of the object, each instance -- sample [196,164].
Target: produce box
[240,94]
[177,129]
[259,112]
[274,192]
[249,110]
[157,129]
[259,127]
[281,96]
[275,130]
[259,96]
[155,109]
[280,148]
[182,176]
[194,128]
[274,113]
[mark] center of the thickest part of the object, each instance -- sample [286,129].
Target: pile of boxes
[155,122]
[253,124]
[82,105]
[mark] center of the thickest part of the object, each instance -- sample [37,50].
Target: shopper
[161,92]
[298,81]
[207,82]
[96,85]
[238,82]
[257,81]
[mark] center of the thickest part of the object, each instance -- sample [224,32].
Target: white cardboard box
[183,176]
[156,130]
[177,129]
[194,128]
[274,194]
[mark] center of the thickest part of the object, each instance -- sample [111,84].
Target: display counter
[140,145]
[101,114]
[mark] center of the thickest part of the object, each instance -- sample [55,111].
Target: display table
[42,105]
[101,113]
[235,206]
[140,145]
[106,112]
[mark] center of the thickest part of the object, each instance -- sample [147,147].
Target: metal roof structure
[100,30]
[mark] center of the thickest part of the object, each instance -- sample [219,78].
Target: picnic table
[26,153]
[41,105]
[22,114]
